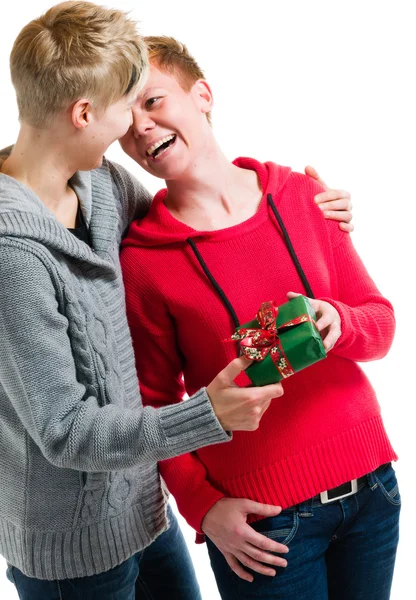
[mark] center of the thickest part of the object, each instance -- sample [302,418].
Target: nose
[142,122]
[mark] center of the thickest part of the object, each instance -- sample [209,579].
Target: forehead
[160,78]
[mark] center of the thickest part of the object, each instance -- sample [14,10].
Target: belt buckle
[326,497]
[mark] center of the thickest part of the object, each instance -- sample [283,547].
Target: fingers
[252,564]
[333,200]
[333,329]
[264,557]
[273,390]
[339,204]
[263,543]
[233,369]
[258,508]
[316,304]
[312,172]
[328,321]
[332,196]
[331,338]
[263,410]
[291,295]
[348,227]
[325,320]
[239,409]
[237,568]
[336,206]
[338,215]
[226,525]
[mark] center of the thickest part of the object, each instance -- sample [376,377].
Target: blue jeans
[344,550]
[161,571]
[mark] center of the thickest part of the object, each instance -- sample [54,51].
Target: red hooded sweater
[326,429]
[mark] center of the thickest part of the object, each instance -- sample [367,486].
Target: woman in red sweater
[220,240]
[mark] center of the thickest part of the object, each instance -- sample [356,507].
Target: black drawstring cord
[220,291]
[290,248]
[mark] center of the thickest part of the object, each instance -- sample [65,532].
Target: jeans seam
[59,590]
[387,495]
[145,589]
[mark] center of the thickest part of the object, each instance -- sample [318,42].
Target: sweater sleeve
[367,318]
[159,367]
[65,418]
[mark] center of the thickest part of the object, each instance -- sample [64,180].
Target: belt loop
[372,480]
[305,509]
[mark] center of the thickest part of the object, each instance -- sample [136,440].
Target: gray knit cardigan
[79,485]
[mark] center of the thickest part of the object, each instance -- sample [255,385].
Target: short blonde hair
[174,57]
[74,50]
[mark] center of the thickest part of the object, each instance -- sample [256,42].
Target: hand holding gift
[285,339]
[328,320]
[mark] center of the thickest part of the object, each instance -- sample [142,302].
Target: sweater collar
[161,228]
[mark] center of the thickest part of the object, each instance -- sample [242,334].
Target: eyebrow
[153,88]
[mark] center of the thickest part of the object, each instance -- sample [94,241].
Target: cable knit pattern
[79,486]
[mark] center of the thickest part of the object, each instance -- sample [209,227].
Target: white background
[326,83]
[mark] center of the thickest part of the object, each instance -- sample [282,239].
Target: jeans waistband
[361,482]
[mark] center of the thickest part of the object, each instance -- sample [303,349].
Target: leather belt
[346,489]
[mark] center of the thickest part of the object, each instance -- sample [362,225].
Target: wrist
[205,523]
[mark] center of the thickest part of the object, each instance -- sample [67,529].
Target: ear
[81,113]
[203,95]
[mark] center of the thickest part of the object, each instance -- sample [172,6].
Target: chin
[98,163]
[172,172]
[175,174]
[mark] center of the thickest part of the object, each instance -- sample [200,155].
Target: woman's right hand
[237,408]
[226,526]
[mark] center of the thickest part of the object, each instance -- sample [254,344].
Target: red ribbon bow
[256,344]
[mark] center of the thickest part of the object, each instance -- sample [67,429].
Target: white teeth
[153,148]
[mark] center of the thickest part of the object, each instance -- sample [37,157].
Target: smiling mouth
[161,146]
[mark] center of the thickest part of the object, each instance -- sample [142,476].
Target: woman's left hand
[328,320]
[335,204]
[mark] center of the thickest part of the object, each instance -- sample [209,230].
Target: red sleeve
[159,368]
[367,318]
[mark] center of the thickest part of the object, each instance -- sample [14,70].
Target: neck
[213,193]
[39,160]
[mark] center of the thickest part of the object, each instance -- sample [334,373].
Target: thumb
[235,367]
[292,295]
[257,508]
[311,172]
[312,301]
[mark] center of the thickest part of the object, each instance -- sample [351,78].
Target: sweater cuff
[201,507]
[192,424]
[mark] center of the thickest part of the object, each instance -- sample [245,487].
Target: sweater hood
[160,228]
[24,216]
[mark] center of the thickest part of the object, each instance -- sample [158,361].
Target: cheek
[127,143]
[124,124]
[120,125]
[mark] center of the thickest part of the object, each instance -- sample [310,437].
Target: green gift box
[281,341]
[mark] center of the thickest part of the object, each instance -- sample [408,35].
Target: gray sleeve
[38,376]
[134,199]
